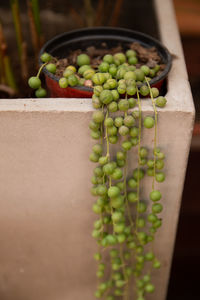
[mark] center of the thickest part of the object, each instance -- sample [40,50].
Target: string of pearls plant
[123,228]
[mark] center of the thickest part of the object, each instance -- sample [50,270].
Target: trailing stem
[139,146]
[102,129]
[41,68]
[127,235]
[107,141]
[155,144]
[125,296]
[125,194]
[155,133]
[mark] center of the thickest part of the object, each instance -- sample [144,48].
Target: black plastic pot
[61,45]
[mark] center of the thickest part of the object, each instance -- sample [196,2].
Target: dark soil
[146,56]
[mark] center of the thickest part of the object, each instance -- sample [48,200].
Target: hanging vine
[124,230]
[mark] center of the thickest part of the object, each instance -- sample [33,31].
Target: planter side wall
[45,212]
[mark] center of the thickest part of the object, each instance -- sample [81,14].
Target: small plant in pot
[124,230]
[96,43]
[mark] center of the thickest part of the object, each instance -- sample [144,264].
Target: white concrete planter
[46,220]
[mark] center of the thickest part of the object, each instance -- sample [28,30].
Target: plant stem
[35,27]
[22,48]
[107,141]
[108,155]
[125,194]
[125,184]
[110,278]
[102,126]
[139,146]
[40,69]
[125,297]
[155,144]
[36,15]
[155,132]
[17,23]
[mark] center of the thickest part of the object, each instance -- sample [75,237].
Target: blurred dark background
[184,279]
[60,16]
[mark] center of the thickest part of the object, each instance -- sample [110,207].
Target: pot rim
[116,29]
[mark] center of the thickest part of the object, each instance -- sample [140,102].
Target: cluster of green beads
[117,71]
[124,228]
[110,73]
[35,83]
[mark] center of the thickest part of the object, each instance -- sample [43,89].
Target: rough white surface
[46,247]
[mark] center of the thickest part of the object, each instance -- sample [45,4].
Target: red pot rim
[125,35]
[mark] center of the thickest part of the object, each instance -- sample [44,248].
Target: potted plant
[67,46]
[127,224]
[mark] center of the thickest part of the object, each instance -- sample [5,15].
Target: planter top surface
[178,90]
